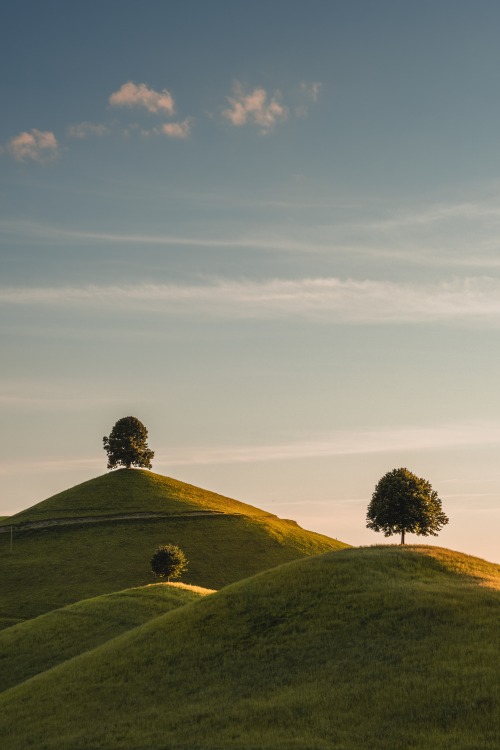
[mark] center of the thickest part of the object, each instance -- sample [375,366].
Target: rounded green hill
[99,536]
[364,648]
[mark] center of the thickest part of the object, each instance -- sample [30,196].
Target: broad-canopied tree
[403,502]
[127,444]
[168,562]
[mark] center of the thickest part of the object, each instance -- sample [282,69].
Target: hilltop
[98,537]
[127,491]
[364,648]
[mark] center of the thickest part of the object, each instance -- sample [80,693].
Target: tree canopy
[127,444]
[168,561]
[403,502]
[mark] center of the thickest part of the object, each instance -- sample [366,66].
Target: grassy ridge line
[29,648]
[378,647]
[58,565]
[131,490]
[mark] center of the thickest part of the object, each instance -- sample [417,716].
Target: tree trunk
[402,536]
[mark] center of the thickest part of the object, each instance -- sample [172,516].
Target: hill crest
[132,491]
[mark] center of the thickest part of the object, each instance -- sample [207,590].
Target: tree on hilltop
[168,561]
[127,444]
[402,502]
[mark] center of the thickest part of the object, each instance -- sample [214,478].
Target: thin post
[11,534]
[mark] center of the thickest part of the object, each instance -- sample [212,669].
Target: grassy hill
[131,491]
[39,644]
[65,560]
[380,648]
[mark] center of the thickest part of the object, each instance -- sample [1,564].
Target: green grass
[7,622]
[381,648]
[34,646]
[53,566]
[131,491]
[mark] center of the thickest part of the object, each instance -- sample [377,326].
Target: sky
[268,230]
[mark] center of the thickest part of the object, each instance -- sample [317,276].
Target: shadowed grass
[380,648]
[34,646]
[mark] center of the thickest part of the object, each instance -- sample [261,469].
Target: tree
[127,444]
[168,561]
[403,502]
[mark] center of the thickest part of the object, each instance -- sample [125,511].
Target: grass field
[39,644]
[52,566]
[382,648]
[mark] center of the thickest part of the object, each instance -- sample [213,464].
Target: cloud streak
[36,145]
[362,442]
[330,300]
[345,443]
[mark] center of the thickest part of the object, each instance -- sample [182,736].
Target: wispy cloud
[349,442]
[36,145]
[443,235]
[51,464]
[342,443]
[310,90]
[140,95]
[44,232]
[332,300]
[308,94]
[254,108]
[83,130]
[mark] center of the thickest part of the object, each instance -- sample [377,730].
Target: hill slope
[370,648]
[128,491]
[40,644]
[126,515]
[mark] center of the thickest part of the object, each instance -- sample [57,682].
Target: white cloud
[176,129]
[331,300]
[139,95]
[83,130]
[37,145]
[254,108]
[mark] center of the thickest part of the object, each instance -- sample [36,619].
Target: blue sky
[268,230]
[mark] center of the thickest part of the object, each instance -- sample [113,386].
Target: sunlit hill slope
[98,537]
[362,648]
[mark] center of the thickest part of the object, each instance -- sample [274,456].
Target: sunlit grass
[131,491]
[53,566]
[379,648]
[36,645]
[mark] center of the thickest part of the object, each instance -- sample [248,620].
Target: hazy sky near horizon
[270,231]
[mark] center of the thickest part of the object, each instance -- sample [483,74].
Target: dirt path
[99,519]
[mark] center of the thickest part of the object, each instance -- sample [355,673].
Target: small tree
[402,502]
[127,444]
[169,561]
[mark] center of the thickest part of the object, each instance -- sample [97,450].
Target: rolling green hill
[39,644]
[131,491]
[98,537]
[381,648]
